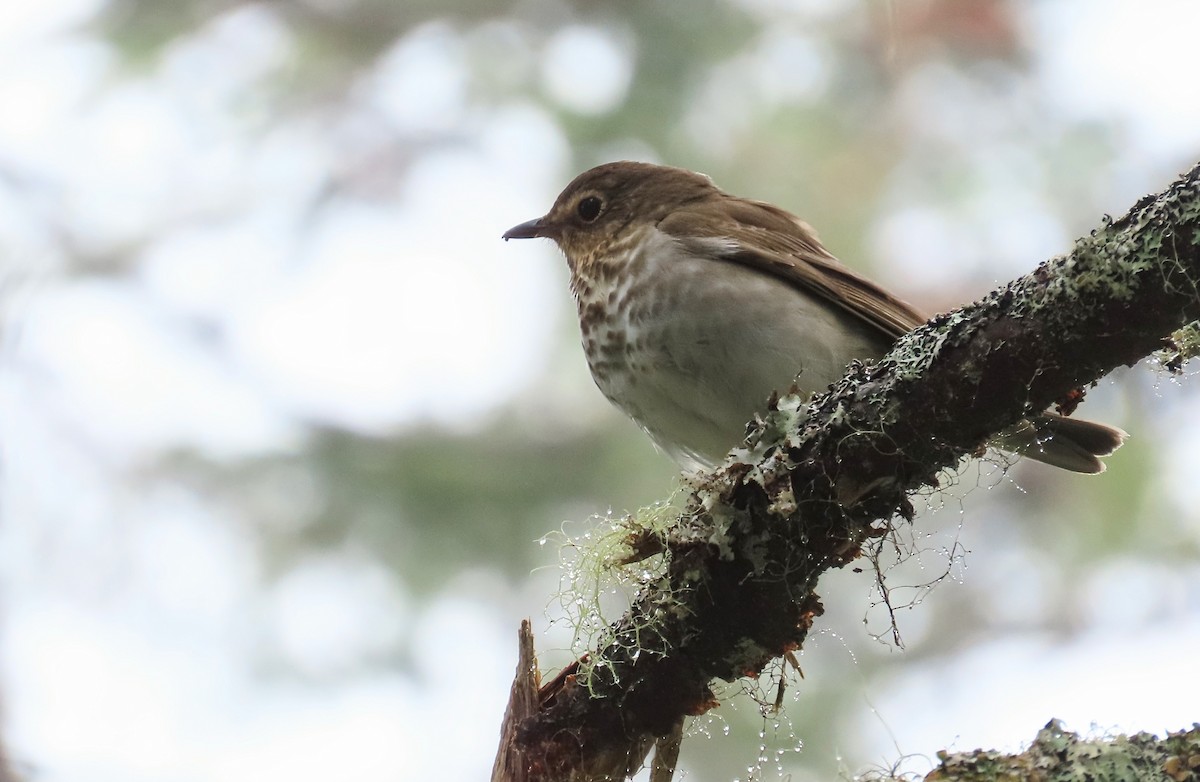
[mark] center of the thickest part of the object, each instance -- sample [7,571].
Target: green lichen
[747,656]
[1060,755]
[1114,261]
[1182,346]
[615,559]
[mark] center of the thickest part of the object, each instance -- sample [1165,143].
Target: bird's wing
[767,238]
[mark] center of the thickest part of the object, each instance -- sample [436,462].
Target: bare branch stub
[510,765]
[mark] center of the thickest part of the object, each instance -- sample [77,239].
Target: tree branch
[1059,754]
[815,481]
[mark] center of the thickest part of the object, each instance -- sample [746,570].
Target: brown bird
[694,305]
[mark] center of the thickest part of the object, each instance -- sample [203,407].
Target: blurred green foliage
[907,107]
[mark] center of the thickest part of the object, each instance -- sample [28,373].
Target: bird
[695,305]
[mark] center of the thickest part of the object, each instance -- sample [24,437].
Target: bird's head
[607,204]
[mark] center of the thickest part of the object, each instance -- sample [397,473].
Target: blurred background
[282,420]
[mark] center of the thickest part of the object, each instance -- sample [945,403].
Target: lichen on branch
[819,478]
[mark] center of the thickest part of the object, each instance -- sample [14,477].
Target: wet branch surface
[816,482]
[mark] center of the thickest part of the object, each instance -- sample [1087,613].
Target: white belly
[696,368]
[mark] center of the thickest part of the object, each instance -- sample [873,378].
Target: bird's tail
[1068,443]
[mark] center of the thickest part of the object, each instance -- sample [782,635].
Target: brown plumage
[694,305]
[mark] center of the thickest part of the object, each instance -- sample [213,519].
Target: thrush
[695,305]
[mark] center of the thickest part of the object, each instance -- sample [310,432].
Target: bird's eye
[589,208]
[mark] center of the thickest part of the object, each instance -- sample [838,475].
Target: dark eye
[589,208]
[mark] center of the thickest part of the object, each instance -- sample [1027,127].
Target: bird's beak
[529,230]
